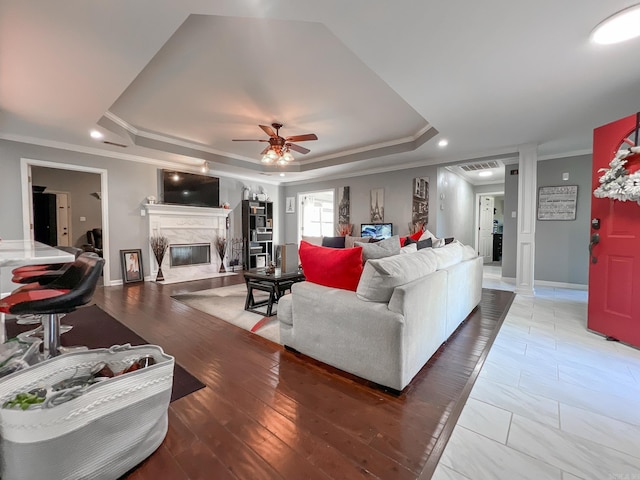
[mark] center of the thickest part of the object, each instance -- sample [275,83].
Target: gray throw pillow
[381,249]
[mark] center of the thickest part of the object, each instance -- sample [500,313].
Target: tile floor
[552,400]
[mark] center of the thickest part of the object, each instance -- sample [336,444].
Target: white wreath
[616,182]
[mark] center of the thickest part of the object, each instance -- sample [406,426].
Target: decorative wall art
[344,206]
[420,203]
[377,205]
[290,206]
[344,228]
[557,203]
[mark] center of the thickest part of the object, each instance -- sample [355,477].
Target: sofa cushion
[381,276]
[349,241]
[331,267]
[313,240]
[448,255]
[381,249]
[333,242]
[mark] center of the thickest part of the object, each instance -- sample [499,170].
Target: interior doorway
[65,185]
[489,227]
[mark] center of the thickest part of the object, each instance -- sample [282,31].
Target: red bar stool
[74,288]
[29,271]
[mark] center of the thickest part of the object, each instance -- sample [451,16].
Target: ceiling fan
[279,147]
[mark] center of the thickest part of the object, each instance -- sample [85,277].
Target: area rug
[227,303]
[95,328]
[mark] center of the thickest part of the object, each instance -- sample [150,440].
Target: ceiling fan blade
[302,138]
[266,149]
[268,130]
[245,140]
[298,148]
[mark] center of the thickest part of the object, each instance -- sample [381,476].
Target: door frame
[27,209]
[476,212]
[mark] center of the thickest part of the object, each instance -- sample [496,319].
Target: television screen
[190,189]
[376,230]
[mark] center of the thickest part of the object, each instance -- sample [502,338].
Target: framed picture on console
[131,261]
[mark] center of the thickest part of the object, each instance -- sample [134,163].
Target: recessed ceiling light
[96,134]
[282,174]
[443,143]
[485,174]
[619,27]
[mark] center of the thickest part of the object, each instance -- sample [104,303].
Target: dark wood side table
[275,284]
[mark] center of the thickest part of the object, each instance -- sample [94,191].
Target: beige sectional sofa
[404,308]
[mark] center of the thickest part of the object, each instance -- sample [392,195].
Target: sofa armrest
[337,328]
[424,308]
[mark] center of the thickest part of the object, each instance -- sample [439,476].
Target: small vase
[159,276]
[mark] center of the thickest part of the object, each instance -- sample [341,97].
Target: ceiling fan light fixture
[621,26]
[266,158]
[288,156]
[282,161]
[273,155]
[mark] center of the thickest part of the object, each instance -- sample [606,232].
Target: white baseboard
[571,286]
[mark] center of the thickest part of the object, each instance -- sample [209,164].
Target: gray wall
[455,207]
[398,195]
[80,186]
[562,246]
[129,183]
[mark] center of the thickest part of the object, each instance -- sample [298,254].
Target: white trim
[476,212]
[25,167]
[572,286]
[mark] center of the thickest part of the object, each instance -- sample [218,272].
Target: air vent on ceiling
[106,142]
[472,167]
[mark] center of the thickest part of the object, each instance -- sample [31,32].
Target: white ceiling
[379,82]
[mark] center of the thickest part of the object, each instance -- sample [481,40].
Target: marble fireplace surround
[182,225]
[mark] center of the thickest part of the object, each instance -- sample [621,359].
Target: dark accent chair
[94,241]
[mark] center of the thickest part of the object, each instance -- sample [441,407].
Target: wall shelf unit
[257,231]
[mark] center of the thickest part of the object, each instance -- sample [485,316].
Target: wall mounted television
[180,188]
[376,230]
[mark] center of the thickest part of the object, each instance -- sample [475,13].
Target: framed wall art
[131,261]
[557,203]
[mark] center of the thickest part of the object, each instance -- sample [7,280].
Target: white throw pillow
[427,234]
[448,255]
[313,240]
[381,276]
[381,249]
[411,248]
[468,252]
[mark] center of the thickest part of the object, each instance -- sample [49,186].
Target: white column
[525,252]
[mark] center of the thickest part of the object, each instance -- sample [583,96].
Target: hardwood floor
[269,413]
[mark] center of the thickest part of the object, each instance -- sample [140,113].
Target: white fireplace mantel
[169,209]
[183,224]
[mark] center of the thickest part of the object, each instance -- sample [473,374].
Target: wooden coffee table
[275,284]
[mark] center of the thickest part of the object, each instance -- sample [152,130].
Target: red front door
[614,278]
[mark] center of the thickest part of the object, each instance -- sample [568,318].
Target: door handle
[595,239]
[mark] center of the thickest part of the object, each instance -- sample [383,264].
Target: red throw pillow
[416,236]
[331,267]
